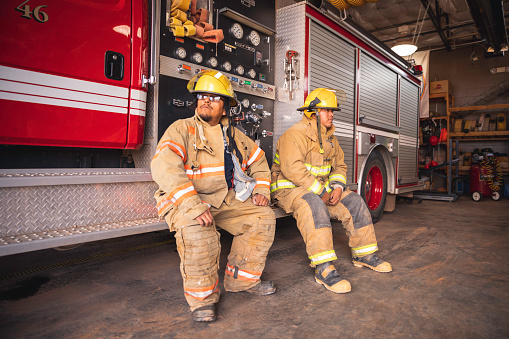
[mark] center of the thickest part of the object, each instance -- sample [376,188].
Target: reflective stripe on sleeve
[177,196]
[322,257]
[201,293]
[338,177]
[319,170]
[175,147]
[280,184]
[327,187]
[237,273]
[262,182]
[364,250]
[255,155]
[316,187]
[276,158]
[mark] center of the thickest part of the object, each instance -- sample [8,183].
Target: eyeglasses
[208,97]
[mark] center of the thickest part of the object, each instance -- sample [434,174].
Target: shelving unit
[476,136]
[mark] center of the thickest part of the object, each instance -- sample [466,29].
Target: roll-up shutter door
[332,65]
[378,94]
[408,137]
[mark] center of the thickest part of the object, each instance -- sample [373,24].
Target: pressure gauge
[254,38]
[239,69]
[181,53]
[227,66]
[212,62]
[198,58]
[237,31]
[251,73]
[245,103]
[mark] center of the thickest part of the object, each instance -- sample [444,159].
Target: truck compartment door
[65,72]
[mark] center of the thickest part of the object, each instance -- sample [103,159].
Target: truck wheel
[374,185]
[495,196]
[476,196]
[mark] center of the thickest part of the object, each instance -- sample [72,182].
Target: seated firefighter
[309,181]
[210,174]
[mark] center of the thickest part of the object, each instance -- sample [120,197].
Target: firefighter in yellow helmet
[309,181]
[210,174]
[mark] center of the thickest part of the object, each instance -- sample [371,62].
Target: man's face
[326,116]
[209,109]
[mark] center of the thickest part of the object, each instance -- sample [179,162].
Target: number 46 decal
[37,14]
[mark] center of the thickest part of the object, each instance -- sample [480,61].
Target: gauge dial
[237,31]
[245,103]
[227,66]
[212,62]
[198,58]
[239,69]
[254,38]
[251,73]
[181,53]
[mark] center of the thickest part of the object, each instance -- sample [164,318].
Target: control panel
[245,55]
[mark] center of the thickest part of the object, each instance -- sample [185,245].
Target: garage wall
[470,80]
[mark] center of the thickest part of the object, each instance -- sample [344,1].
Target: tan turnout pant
[313,221]
[199,249]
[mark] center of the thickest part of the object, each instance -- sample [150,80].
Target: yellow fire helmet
[326,98]
[213,82]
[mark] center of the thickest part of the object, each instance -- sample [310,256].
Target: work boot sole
[361,264]
[328,287]
[204,314]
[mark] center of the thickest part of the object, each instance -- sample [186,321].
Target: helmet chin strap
[312,106]
[319,130]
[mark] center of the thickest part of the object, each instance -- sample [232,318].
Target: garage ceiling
[440,24]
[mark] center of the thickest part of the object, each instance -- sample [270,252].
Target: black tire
[374,190]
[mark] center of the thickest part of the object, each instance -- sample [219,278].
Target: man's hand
[260,200]
[335,196]
[325,198]
[205,219]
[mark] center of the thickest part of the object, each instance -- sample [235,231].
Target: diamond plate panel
[26,210]
[291,35]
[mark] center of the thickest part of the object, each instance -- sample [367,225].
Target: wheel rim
[374,188]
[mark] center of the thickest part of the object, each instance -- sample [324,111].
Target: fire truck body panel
[66,78]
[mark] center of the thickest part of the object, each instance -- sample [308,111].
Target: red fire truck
[89,86]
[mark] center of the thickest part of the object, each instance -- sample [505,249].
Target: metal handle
[154,51]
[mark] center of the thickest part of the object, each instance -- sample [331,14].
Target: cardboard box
[442,86]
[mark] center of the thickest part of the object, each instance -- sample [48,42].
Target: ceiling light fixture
[404,48]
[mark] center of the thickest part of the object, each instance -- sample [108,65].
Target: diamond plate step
[53,238]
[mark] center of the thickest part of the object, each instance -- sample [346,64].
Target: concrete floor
[450,280]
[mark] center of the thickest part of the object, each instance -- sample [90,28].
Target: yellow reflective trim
[321,253]
[365,250]
[318,170]
[316,187]
[281,184]
[327,187]
[322,257]
[338,177]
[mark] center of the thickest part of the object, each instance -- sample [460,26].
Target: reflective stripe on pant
[313,220]
[199,248]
